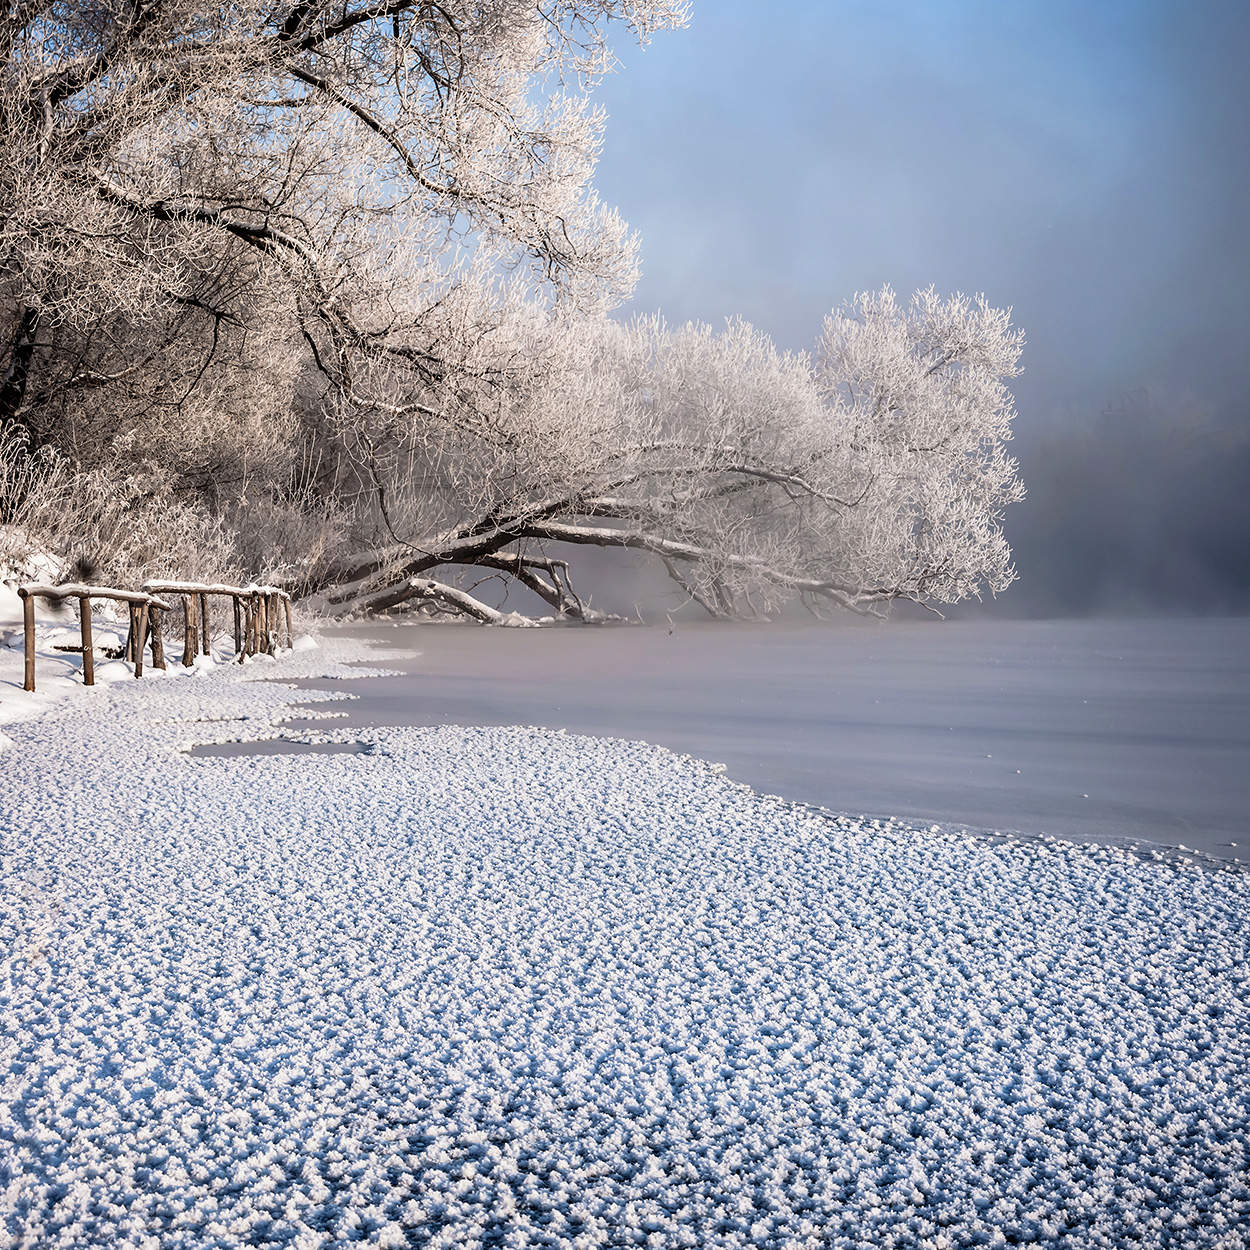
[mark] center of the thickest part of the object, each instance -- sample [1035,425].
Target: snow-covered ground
[506,987]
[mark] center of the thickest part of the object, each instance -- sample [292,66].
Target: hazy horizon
[1086,165]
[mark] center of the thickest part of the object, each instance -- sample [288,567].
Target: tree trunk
[17,375]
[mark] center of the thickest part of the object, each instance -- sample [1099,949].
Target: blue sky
[1085,163]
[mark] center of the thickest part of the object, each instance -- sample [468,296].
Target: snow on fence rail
[262,616]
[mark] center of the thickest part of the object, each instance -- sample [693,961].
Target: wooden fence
[262,620]
[262,616]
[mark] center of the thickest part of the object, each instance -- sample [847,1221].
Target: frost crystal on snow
[515,987]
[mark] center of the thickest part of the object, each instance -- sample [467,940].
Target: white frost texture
[510,987]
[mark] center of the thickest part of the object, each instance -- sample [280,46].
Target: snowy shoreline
[1120,732]
[513,986]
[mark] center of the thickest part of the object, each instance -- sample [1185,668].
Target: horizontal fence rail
[262,620]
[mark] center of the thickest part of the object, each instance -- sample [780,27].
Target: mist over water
[1087,164]
[1161,526]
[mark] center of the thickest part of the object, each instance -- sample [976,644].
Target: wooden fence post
[241,606]
[206,633]
[188,633]
[290,633]
[238,625]
[158,643]
[253,637]
[138,628]
[84,630]
[28,625]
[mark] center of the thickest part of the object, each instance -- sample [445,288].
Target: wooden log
[188,633]
[130,635]
[206,633]
[158,642]
[72,590]
[253,624]
[84,630]
[138,628]
[28,625]
[238,625]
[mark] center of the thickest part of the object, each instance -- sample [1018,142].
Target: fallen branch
[444,596]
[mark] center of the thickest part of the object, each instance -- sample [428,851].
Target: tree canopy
[324,292]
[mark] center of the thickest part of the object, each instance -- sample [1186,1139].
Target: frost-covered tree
[216,217]
[874,471]
[334,277]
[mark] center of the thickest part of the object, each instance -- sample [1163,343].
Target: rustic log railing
[262,620]
[262,616]
[145,621]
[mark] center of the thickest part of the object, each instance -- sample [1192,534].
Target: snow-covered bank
[500,986]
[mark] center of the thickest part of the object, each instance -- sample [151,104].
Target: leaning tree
[871,472]
[225,227]
[337,273]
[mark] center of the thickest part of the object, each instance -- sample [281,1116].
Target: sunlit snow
[502,986]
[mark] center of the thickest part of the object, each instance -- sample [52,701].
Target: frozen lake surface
[1096,730]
